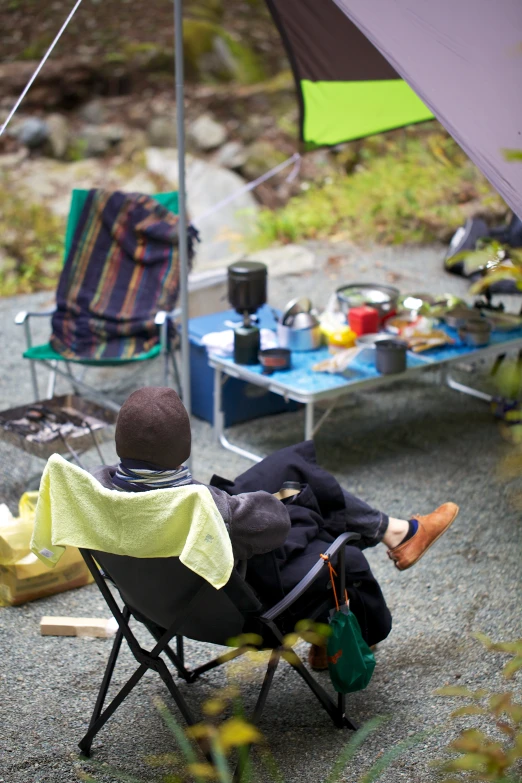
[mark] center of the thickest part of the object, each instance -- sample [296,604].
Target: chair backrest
[79,197]
[159,589]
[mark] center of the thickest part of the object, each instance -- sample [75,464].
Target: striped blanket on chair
[123,267]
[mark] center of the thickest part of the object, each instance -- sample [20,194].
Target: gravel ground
[405,449]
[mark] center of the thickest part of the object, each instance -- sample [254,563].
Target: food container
[382,297]
[299,339]
[363,320]
[390,356]
[475,332]
[273,359]
[342,338]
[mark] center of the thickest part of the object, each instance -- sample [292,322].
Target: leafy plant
[31,243]
[217,747]
[401,187]
[478,756]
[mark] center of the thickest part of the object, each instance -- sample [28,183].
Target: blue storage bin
[241,401]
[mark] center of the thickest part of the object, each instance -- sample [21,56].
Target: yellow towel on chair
[74,509]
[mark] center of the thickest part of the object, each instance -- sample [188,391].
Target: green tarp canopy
[346,88]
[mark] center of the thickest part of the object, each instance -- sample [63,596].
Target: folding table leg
[309,421]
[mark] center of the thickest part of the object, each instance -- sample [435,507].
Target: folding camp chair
[173,602]
[45,354]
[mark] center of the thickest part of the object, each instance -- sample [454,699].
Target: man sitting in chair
[281,514]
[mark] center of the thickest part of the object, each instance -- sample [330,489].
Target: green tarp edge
[335,112]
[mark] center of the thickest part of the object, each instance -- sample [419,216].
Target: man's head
[153,426]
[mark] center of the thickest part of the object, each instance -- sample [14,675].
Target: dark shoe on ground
[431,527]
[318,657]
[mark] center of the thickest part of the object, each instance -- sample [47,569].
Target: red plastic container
[363,320]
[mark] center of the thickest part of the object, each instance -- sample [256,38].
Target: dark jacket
[318,515]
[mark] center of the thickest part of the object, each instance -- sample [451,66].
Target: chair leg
[86,742]
[333,709]
[52,382]
[273,663]
[175,693]
[244,752]
[177,379]
[34,380]
[180,649]
[206,667]
[71,378]
[166,373]
[109,670]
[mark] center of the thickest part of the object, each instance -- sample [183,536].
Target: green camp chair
[46,355]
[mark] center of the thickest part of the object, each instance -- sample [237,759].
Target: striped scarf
[132,476]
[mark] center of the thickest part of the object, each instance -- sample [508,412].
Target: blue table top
[300,378]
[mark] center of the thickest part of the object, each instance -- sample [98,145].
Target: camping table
[303,385]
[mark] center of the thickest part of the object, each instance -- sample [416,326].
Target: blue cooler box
[241,401]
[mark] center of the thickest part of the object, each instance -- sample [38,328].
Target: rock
[113,133]
[33,132]
[207,134]
[261,157]
[92,141]
[286,260]
[164,163]
[58,140]
[219,62]
[140,183]
[93,112]
[133,144]
[223,233]
[162,131]
[232,155]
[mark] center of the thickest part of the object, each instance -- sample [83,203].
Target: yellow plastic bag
[22,576]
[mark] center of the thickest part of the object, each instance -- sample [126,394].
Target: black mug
[390,356]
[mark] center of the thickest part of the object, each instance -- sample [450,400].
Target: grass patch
[402,188]
[31,243]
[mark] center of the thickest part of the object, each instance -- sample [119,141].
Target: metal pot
[299,339]
[475,332]
[382,297]
[458,316]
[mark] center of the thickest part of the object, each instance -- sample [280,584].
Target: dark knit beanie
[153,426]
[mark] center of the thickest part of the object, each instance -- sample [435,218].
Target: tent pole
[183,232]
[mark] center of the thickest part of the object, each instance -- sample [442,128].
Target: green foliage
[477,756]
[31,243]
[400,188]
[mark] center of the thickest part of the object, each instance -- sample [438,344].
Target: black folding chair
[173,602]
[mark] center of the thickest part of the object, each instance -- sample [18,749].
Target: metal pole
[183,233]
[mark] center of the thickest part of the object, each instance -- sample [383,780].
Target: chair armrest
[310,578]
[24,315]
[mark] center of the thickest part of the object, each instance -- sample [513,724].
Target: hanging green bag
[350,660]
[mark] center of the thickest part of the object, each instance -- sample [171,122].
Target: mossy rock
[210,10]
[261,157]
[213,55]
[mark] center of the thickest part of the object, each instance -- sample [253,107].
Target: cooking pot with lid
[382,297]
